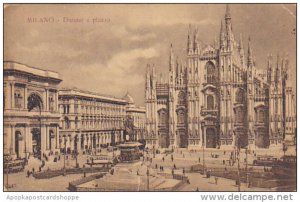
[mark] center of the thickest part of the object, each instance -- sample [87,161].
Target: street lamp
[238,159]
[148,178]
[65,142]
[203,145]
[247,164]
[76,151]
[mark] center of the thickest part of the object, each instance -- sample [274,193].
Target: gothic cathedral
[218,98]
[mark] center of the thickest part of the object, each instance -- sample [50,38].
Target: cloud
[142,37]
[122,71]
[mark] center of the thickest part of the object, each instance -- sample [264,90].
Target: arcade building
[31,113]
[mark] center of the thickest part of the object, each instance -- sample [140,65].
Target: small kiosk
[130,152]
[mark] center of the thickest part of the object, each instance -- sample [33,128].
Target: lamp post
[7,171]
[247,164]
[153,151]
[76,151]
[148,178]
[203,145]
[65,142]
[238,159]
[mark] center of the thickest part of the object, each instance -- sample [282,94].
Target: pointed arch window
[240,96]
[210,102]
[163,117]
[210,72]
[239,115]
[181,116]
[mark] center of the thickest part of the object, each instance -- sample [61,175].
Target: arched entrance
[36,142]
[34,102]
[211,138]
[164,141]
[183,139]
[242,137]
[18,139]
[262,138]
[163,133]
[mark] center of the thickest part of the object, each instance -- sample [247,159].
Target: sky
[109,55]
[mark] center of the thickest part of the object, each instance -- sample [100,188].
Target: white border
[131,196]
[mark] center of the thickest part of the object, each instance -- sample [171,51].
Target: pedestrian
[163,159]
[199,160]
[155,166]
[216,180]
[32,170]
[174,166]
[197,189]
[28,173]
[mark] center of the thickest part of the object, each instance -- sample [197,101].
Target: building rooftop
[84,93]
[16,66]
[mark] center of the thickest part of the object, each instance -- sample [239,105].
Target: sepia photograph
[149,97]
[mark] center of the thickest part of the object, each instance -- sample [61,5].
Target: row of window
[93,110]
[104,124]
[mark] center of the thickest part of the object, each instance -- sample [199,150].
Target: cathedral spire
[196,41]
[177,66]
[241,46]
[222,35]
[250,55]
[171,62]
[190,41]
[228,24]
[270,61]
[227,13]
[147,76]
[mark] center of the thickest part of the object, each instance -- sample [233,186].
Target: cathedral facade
[219,98]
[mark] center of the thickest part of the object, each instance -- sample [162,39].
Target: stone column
[43,139]
[22,145]
[72,139]
[56,101]
[12,95]
[47,138]
[12,143]
[6,141]
[92,140]
[7,96]
[27,139]
[87,141]
[78,141]
[25,97]
[57,137]
[204,135]
[46,100]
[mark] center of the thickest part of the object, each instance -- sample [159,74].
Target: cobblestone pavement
[182,158]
